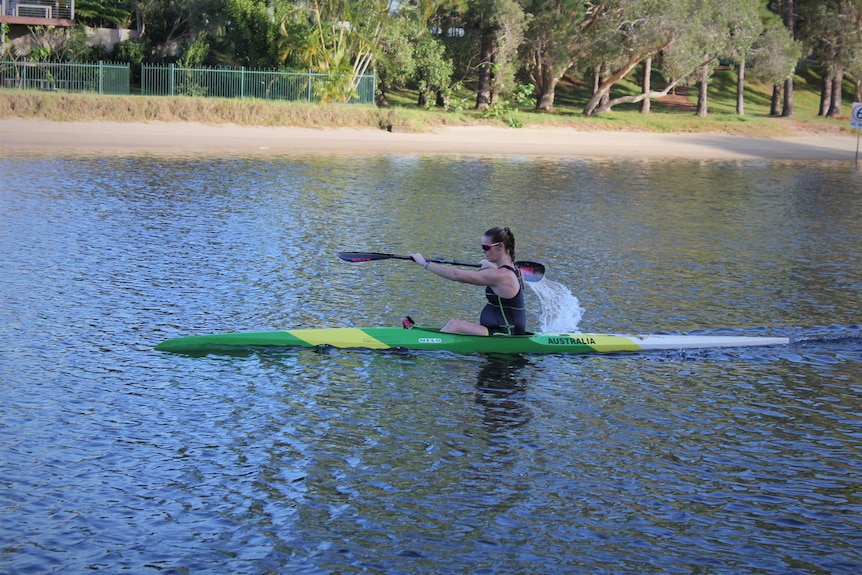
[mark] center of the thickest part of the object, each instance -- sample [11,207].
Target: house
[23,13]
[18,16]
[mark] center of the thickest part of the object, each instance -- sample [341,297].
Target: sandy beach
[24,137]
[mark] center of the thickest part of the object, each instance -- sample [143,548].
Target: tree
[690,36]
[551,45]
[832,29]
[427,27]
[248,34]
[165,26]
[101,13]
[746,28]
[500,26]
[341,38]
[646,85]
[627,32]
[447,21]
[774,55]
[433,70]
[772,48]
[411,54]
[396,62]
[141,10]
[50,44]
[734,26]
[854,70]
[785,9]
[709,30]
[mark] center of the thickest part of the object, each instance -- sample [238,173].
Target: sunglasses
[487,247]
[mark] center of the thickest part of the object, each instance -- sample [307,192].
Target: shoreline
[26,137]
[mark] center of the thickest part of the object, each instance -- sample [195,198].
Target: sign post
[856,122]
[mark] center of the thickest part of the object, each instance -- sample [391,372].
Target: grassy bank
[672,114]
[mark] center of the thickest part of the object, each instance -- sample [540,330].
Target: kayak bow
[426,338]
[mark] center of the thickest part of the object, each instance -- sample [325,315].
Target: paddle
[532,271]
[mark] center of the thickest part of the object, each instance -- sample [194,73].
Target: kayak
[427,338]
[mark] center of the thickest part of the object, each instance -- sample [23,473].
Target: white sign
[856,115]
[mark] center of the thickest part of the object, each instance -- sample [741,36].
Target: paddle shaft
[532,271]
[439,261]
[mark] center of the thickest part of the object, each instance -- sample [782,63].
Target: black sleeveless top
[505,316]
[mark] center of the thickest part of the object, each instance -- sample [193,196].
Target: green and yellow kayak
[426,338]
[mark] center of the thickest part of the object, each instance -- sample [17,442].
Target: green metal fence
[173,80]
[99,77]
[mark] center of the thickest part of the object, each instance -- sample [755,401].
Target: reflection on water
[115,457]
[500,387]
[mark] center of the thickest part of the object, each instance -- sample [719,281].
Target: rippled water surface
[114,457]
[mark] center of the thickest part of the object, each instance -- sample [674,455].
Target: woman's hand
[417,257]
[486,265]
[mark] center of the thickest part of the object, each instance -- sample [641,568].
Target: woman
[504,287]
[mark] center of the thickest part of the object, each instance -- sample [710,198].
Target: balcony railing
[38,12]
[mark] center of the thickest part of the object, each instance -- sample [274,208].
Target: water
[114,457]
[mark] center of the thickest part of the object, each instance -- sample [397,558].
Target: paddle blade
[354,257]
[532,271]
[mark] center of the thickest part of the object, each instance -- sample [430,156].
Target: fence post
[171,80]
[101,76]
[242,82]
[309,86]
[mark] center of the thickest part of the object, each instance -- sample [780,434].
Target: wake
[561,311]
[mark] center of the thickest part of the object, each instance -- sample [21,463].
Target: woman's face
[490,249]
